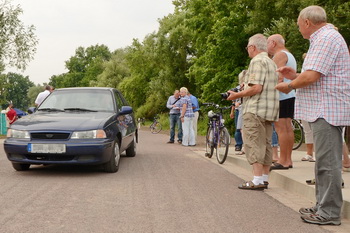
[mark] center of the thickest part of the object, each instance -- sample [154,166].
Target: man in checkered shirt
[323,100]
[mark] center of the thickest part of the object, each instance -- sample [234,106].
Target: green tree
[114,70]
[15,88]
[83,67]
[17,42]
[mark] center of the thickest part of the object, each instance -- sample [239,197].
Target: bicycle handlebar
[218,106]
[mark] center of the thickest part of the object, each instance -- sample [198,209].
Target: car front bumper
[97,151]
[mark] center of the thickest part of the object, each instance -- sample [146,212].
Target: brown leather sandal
[249,185]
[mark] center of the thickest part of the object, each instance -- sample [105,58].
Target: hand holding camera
[227,94]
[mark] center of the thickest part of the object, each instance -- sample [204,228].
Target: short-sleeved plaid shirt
[186,100]
[329,97]
[262,70]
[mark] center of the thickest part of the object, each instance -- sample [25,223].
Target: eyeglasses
[248,47]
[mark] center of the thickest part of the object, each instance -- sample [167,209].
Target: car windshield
[78,100]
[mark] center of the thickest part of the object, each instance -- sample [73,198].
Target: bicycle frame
[216,122]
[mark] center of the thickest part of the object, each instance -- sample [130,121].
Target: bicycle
[155,127]
[217,136]
[298,133]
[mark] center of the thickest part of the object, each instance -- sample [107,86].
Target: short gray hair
[259,41]
[315,14]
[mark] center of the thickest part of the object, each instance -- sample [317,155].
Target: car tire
[112,165]
[131,151]
[20,166]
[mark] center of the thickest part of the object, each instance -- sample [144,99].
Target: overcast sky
[64,25]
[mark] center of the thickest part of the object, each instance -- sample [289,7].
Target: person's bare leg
[310,149]
[286,140]
[346,159]
[275,154]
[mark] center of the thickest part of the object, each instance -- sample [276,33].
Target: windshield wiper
[51,109]
[80,109]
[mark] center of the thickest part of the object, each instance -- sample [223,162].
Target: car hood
[69,121]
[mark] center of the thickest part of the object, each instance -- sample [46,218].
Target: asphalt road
[165,188]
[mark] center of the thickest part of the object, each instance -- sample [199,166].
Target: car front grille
[50,136]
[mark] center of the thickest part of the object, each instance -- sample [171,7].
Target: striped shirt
[262,71]
[329,97]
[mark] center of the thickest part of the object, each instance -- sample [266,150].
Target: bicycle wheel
[209,148]
[298,134]
[223,145]
[156,127]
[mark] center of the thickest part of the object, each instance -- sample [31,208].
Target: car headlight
[91,134]
[12,133]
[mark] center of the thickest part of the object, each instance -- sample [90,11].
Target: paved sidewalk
[293,180]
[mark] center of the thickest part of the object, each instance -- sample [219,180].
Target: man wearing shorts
[282,57]
[260,110]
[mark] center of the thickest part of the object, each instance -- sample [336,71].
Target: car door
[126,122]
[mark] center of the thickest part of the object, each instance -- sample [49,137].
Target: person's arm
[304,79]
[168,104]
[232,113]
[253,90]
[281,60]
[183,112]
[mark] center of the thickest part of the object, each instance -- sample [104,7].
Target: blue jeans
[174,120]
[274,137]
[238,134]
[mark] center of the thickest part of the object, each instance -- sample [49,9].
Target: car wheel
[112,165]
[131,151]
[20,166]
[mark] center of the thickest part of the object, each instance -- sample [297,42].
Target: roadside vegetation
[201,46]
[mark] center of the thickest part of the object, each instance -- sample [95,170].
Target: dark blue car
[74,126]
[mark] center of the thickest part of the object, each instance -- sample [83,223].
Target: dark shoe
[170,142]
[278,166]
[307,211]
[266,183]
[290,166]
[249,185]
[179,141]
[313,182]
[238,148]
[318,219]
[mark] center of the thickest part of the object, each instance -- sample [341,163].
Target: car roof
[86,88]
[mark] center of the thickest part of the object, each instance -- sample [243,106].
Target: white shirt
[41,96]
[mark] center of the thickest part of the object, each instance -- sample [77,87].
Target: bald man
[282,57]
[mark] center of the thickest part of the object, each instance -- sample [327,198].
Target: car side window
[118,100]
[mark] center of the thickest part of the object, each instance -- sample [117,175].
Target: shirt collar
[319,31]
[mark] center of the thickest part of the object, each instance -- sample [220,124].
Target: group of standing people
[322,99]
[184,114]
[11,115]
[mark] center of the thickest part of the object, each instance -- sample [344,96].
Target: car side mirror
[31,110]
[125,110]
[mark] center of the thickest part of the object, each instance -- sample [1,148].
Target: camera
[226,94]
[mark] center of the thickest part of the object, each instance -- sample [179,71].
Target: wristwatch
[290,87]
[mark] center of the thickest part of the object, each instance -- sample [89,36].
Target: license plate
[47,148]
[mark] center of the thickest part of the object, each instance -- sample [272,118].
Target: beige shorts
[257,134]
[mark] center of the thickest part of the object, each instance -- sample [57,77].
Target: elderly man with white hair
[260,110]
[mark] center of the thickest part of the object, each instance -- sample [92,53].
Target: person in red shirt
[11,115]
